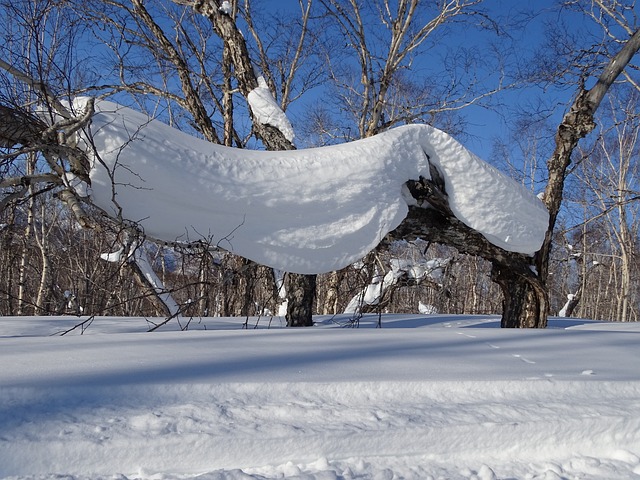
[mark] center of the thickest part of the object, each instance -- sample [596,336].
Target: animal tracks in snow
[506,349]
[525,360]
[497,347]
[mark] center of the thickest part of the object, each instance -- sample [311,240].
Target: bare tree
[371,78]
[610,173]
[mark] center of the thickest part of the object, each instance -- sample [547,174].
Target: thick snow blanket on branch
[266,110]
[304,211]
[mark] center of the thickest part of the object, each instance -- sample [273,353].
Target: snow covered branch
[402,272]
[133,254]
[266,110]
[333,206]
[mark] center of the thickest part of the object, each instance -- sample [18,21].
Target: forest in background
[341,71]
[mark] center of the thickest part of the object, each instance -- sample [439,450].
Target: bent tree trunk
[522,279]
[525,296]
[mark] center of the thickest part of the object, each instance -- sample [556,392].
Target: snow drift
[304,211]
[424,397]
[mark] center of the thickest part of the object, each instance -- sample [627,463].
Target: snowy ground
[422,397]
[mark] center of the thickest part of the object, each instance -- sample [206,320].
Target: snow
[420,269]
[278,276]
[266,110]
[143,263]
[427,309]
[115,257]
[135,253]
[423,397]
[416,270]
[304,211]
[226,8]
[372,293]
[565,307]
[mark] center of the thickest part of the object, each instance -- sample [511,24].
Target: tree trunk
[28,234]
[42,242]
[525,297]
[249,274]
[572,302]
[330,303]
[525,302]
[301,291]
[24,261]
[300,288]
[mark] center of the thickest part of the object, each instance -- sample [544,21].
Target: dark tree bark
[525,298]
[301,290]
[513,272]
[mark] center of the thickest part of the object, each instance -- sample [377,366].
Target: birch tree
[610,173]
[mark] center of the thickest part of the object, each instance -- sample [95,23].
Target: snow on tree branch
[267,111]
[303,211]
[225,7]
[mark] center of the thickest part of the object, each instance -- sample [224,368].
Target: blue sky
[484,125]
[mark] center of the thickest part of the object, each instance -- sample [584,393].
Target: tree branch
[39,86]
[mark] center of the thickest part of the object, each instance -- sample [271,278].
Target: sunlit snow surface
[423,397]
[305,211]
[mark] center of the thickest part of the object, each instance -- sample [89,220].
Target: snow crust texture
[303,211]
[424,397]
